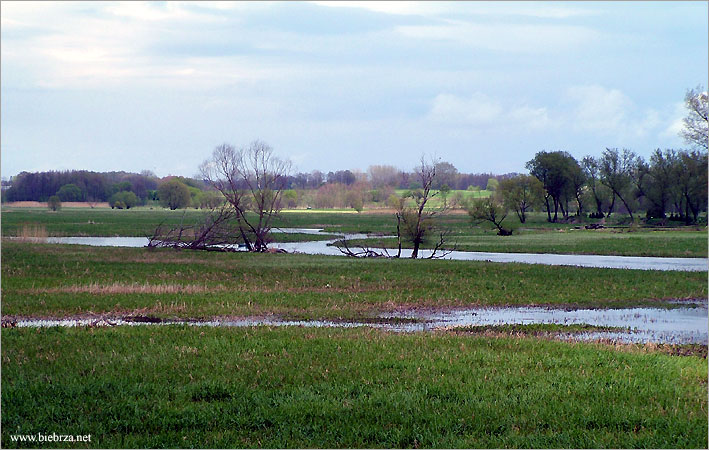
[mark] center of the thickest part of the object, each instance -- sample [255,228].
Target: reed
[32,232]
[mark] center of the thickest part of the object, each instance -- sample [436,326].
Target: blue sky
[141,85]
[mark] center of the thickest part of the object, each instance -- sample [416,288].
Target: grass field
[687,244]
[51,280]
[183,386]
[535,236]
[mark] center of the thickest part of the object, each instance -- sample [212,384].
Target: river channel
[324,247]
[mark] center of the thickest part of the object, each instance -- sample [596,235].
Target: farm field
[535,236]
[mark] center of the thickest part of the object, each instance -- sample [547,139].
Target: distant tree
[491,210]
[696,124]
[521,194]
[382,175]
[445,190]
[416,223]
[446,174]
[70,193]
[290,198]
[555,171]
[660,181]
[354,200]
[123,200]
[210,200]
[692,183]
[174,194]
[577,183]
[252,179]
[617,171]
[603,198]
[54,203]
[492,184]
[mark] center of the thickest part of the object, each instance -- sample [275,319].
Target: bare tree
[696,124]
[252,180]
[415,223]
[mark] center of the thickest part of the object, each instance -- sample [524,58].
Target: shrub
[54,203]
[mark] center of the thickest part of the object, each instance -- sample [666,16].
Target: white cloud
[599,109]
[525,9]
[505,36]
[478,109]
[531,118]
[676,123]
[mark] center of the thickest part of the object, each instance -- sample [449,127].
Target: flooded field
[686,324]
[325,247]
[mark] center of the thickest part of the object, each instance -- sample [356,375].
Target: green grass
[684,244]
[535,236]
[41,280]
[181,387]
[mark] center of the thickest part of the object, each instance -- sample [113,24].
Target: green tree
[445,190]
[492,184]
[558,172]
[54,203]
[491,210]
[70,193]
[174,194]
[354,200]
[521,194]
[692,183]
[617,172]
[123,200]
[290,198]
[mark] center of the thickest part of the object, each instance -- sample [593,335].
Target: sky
[157,86]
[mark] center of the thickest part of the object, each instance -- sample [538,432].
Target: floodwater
[324,247]
[681,325]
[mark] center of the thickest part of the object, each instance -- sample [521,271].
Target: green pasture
[663,243]
[535,236]
[60,280]
[185,387]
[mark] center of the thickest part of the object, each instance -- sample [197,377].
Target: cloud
[524,9]
[598,109]
[611,113]
[478,109]
[507,37]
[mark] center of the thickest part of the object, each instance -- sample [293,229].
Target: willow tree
[252,180]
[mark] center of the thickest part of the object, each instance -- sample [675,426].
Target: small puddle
[680,325]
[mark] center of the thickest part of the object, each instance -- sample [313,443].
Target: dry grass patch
[32,233]
[132,288]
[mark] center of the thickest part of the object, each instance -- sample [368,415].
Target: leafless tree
[414,223]
[252,180]
[696,124]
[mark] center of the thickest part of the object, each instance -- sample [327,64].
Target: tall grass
[32,233]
